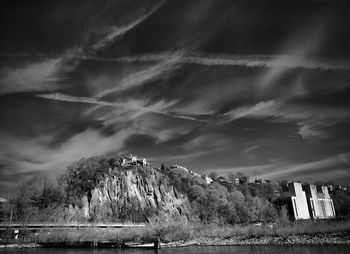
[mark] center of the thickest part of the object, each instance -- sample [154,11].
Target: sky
[258,87]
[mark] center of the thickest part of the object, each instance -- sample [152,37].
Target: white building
[295,198]
[319,202]
[132,160]
[142,162]
[207,178]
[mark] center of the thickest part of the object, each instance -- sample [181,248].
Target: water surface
[194,250]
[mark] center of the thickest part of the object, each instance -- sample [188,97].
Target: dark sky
[261,87]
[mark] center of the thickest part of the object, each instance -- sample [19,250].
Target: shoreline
[333,239]
[317,240]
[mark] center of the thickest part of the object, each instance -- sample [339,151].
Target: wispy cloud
[133,107]
[28,156]
[297,51]
[311,120]
[250,171]
[285,170]
[139,78]
[255,110]
[250,61]
[313,132]
[200,146]
[43,75]
[117,31]
[75,99]
[289,170]
[38,76]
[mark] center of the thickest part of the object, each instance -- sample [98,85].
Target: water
[195,250]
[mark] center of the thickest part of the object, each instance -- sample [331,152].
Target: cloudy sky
[261,87]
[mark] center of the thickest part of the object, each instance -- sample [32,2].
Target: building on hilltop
[132,160]
[295,198]
[339,187]
[142,162]
[305,201]
[207,178]
[236,180]
[319,202]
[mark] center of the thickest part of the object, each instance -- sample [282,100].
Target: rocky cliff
[134,193]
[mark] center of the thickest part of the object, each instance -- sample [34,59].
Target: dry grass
[180,231]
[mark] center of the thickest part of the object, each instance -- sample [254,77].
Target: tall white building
[307,201]
[319,202]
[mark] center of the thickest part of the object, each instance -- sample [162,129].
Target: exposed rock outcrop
[137,194]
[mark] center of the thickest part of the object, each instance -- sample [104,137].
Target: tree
[216,200]
[242,178]
[196,192]
[50,196]
[263,190]
[284,218]
[83,176]
[232,177]
[230,213]
[236,196]
[341,200]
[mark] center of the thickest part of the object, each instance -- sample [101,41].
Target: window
[312,207]
[323,207]
[296,209]
[332,206]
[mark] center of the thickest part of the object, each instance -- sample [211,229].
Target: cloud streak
[39,76]
[249,61]
[27,157]
[76,99]
[255,110]
[117,31]
[136,107]
[42,75]
[298,169]
[141,77]
[309,119]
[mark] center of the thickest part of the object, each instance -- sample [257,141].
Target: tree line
[42,199]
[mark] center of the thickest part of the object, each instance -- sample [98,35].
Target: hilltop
[102,189]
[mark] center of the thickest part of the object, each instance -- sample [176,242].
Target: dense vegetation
[226,202]
[222,202]
[200,233]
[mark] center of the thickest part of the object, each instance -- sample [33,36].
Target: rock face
[137,194]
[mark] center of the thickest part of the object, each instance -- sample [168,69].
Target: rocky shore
[19,245]
[320,239]
[316,240]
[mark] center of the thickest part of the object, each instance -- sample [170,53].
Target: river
[194,250]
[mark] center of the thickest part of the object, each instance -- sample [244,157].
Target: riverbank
[316,240]
[188,234]
[319,240]
[19,245]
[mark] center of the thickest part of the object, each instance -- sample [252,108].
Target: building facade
[295,198]
[319,202]
[132,160]
[307,201]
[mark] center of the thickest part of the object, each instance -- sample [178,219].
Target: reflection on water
[195,250]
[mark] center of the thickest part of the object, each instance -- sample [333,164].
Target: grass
[184,232]
[170,232]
